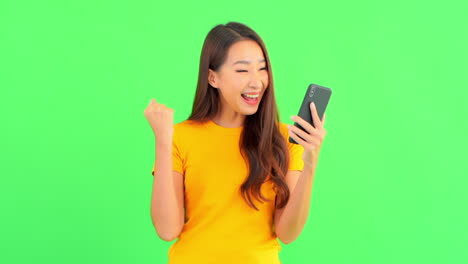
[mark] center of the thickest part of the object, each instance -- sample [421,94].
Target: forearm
[164,211]
[296,211]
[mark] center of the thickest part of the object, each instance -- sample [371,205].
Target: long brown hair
[261,142]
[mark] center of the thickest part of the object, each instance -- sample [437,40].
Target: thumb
[152,101]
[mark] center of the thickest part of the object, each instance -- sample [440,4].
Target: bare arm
[290,220]
[167,207]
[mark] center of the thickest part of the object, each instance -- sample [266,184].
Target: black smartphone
[320,95]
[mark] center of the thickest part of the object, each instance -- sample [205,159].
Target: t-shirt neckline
[225,130]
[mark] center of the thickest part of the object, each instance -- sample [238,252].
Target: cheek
[233,93]
[237,81]
[265,79]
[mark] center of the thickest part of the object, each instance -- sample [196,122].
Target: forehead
[244,50]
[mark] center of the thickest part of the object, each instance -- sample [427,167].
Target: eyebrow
[246,61]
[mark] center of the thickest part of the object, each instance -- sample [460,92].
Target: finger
[306,142]
[306,125]
[323,121]
[306,136]
[297,138]
[314,138]
[316,118]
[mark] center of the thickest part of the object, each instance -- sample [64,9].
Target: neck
[234,121]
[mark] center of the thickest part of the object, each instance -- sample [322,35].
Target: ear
[212,79]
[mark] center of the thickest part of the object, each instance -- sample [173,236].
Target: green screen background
[77,152]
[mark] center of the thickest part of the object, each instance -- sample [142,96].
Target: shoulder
[284,130]
[187,129]
[188,125]
[283,127]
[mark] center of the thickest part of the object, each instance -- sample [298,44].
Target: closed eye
[264,68]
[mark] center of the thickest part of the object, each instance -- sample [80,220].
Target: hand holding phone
[320,95]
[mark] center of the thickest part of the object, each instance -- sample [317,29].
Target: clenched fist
[161,120]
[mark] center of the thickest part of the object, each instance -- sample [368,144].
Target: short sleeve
[177,161]
[295,150]
[295,156]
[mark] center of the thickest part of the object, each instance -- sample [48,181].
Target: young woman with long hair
[227,182]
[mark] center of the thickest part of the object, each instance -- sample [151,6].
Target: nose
[256,82]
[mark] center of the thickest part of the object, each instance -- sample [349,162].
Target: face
[243,72]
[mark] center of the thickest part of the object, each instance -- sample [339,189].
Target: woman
[231,151]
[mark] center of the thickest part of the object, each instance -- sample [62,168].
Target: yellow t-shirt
[219,225]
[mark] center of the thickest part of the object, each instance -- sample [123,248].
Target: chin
[251,112]
[249,109]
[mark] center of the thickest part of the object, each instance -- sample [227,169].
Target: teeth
[251,96]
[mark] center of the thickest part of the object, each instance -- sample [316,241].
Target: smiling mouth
[251,100]
[250,96]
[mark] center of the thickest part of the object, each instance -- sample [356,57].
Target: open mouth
[250,99]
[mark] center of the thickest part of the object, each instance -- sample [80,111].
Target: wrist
[163,142]
[310,166]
